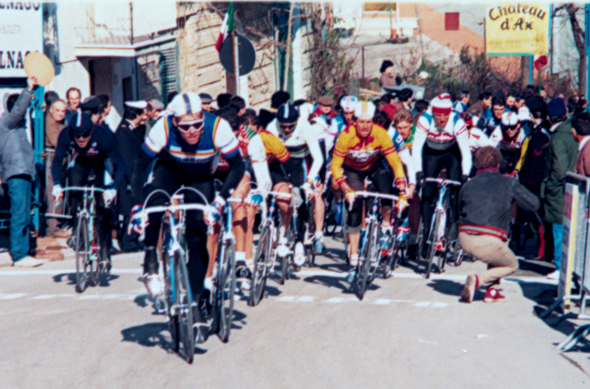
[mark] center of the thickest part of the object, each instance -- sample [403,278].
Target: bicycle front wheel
[261,260]
[226,287]
[183,304]
[364,264]
[83,267]
[432,238]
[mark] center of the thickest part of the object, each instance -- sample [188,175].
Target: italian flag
[226,27]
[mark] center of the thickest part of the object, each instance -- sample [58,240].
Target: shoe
[29,262]
[471,285]
[283,250]
[154,285]
[553,275]
[319,245]
[351,276]
[208,284]
[243,275]
[493,296]
[299,257]
[385,237]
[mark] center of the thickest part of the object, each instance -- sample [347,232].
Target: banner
[21,31]
[517,29]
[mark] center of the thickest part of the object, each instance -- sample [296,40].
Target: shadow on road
[453,288]
[70,277]
[152,335]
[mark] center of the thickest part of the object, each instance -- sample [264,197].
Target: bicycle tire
[82,277]
[374,254]
[226,292]
[433,238]
[310,228]
[442,259]
[96,253]
[167,275]
[364,265]
[184,308]
[261,258]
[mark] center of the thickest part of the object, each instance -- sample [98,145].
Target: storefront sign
[517,29]
[21,31]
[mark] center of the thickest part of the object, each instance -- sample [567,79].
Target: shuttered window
[451,21]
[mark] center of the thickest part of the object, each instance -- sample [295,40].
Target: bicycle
[308,238]
[437,235]
[92,256]
[285,255]
[370,252]
[265,255]
[172,251]
[398,249]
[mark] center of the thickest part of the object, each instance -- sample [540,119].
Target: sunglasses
[186,127]
[83,136]
[288,126]
[509,128]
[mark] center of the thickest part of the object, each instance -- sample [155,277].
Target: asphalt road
[408,332]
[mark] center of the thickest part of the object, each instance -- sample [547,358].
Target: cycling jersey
[455,132]
[488,122]
[459,107]
[361,154]
[302,144]
[404,153]
[511,150]
[478,139]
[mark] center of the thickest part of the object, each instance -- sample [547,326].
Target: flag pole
[236,61]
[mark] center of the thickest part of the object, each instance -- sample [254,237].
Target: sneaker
[299,257]
[319,245]
[29,262]
[385,237]
[154,285]
[471,285]
[553,275]
[350,277]
[208,284]
[493,296]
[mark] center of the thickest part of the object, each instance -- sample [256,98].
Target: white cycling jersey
[478,139]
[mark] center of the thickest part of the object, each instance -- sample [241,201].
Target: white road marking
[305,299]
[423,304]
[439,305]
[12,296]
[381,302]
[287,298]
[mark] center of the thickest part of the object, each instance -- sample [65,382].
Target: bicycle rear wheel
[432,238]
[83,267]
[226,287]
[261,259]
[183,303]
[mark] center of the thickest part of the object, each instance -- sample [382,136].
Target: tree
[579,39]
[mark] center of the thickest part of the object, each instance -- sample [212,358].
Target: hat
[509,119]
[279,98]
[556,107]
[524,114]
[81,124]
[364,110]
[157,104]
[287,114]
[347,103]
[185,104]
[91,104]
[141,104]
[581,123]
[442,104]
[326,100]
[206,98]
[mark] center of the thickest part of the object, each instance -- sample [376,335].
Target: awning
[118,46]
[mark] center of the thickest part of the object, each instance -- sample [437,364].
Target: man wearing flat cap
[206,100]
[324,109]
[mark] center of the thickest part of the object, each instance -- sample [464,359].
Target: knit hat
[442,104]
[556,107]
[364,110]
[81,124]
[348,102]
[185,104]
[287,114]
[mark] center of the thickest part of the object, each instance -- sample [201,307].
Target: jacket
[561,158]
[486,204]
[583,160]
[16,153]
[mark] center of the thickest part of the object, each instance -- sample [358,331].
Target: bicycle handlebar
[83,189]
[376,195]
[280,194]
[180,207]
[443,181]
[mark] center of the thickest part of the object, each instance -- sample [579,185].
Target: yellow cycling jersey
[362,153]
[273,147]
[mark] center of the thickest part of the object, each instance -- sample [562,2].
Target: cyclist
[441,142]
[187,143]
[492,117]
[340,122]
[356,157]
[87,147]
[511,144]
[301,140]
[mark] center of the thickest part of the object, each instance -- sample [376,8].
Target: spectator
[17,170]
[73,97]
[483,103]
[420,106]
[404,99]
[582,105]
[279,98]
[106,107]
[563,151]
[511,97]
[461,101]
[238,104]
[581,133]
[486,208]
[223,100]
[154,115]
[388,105]
[93,107]
[387,80]
[50,97]
[54,123]
[206,100]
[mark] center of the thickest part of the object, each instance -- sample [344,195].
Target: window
[380,6]
[451,21]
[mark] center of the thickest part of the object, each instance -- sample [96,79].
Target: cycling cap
[364,110]
[524,114]
[442,104]
[81,124]
[509,119]
[185,104]
[287,114]
[347,103]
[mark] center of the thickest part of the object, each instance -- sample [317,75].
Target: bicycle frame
[442,203]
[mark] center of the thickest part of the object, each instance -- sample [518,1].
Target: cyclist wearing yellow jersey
[355,158]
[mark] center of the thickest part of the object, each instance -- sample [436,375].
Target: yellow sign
[517,29]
